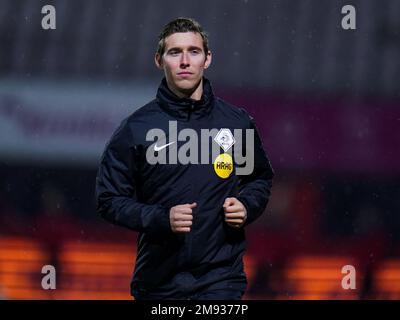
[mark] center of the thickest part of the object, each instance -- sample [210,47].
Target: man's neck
[192,94]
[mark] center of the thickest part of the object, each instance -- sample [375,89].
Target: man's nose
[185,61]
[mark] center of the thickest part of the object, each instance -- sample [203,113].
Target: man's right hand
[181,217]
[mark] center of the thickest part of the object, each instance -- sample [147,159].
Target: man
[190,207]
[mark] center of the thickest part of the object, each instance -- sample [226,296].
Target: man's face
[183,61]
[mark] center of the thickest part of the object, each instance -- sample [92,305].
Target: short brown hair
[181,25]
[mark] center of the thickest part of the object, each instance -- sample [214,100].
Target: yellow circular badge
[223,165]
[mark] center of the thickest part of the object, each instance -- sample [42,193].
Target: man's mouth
[184,73]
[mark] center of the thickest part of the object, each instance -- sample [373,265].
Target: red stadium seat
[21,262]
[387,280]
[95,271]
[318,277]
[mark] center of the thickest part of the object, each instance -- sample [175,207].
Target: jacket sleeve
[116,188]
[255,188]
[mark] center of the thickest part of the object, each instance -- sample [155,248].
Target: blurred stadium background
[326,101]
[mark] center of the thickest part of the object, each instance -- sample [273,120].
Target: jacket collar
[185,108]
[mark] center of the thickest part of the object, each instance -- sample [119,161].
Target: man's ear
[208,59]
[158,61]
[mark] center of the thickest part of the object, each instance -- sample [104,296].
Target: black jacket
[137,195]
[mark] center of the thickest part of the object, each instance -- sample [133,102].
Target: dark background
[325,99]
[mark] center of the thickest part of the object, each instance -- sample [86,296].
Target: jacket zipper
[190,111]
[190,235]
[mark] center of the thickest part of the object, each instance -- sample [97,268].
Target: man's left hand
[235,212]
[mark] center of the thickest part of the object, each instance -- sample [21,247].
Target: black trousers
[208,294]
[227,289]
[218,294]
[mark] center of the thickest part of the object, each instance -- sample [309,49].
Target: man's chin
[187,85]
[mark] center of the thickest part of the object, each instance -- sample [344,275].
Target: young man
[174,171]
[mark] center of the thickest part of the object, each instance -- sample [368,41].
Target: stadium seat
[387,280]
[318,278]
[95,271]
[21,262]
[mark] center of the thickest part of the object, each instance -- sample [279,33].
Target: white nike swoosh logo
[156,148]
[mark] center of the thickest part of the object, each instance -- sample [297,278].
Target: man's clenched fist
[181,217]
[235,212]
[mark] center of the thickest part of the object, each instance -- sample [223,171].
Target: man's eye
[174,53]
[195,51]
